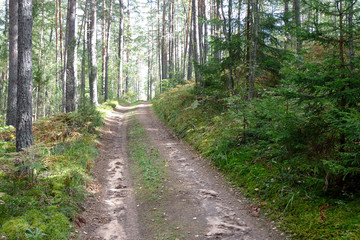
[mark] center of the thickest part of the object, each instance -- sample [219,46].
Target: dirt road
[195,200]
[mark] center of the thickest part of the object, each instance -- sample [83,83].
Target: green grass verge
[149,173]
[43,187]
[215,128]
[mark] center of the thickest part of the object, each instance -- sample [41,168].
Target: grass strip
[150,175]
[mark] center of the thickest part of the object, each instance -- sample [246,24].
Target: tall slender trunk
[127,48]
[190,57]
[253,55]
[103,48]
[206,47]
[163,47]
[195,43]
[13,63]
[62,74]
[83,60]
[297,16]
[229,36]
[24,135]
[39,100]
[93,60]
[247,56]
[188,25]
[120,51]
[159,52]
[71,75]
[106,96]
[351,36]
[286,23]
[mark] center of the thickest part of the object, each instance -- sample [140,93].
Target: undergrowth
[43,187]
[267,149]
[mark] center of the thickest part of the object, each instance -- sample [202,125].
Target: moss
[15,228]
[58,225]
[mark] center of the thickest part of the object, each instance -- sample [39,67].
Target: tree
[107,43]
[93,78]
[13,63]
[24,135]
[71,69]
[120,51]
[254,46]
[83,59]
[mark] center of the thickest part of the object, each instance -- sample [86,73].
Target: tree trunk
[39,99]
[247,56]
[93,80]
[286,22]
[253,55]
[71,75]
[229,33]
[120,68]
[62,74]
[13,63]
[351,36]
[24,135]
[188,25]
[297,15]
[190,57]
[195,42]
[103,48]
[159,52]
[163,47]
[106,95]
[83,60]
[127,48]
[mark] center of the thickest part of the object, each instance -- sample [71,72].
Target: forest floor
[189,198]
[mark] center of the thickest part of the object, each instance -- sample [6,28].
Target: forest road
[198,202]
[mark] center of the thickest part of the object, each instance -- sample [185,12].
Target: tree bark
[120,52]
[83,60]
[190,57]
[93,79]
[103,48]
[163,47]
[106,94]
[71,75]
[195,42]
[24,135]
[297,16]
[13,63]
[188,25]
[229,33]
[253,55]
[127,47]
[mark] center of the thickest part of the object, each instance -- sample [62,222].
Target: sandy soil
[199,202]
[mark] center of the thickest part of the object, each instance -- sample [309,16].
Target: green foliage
[42,188]
[283,153]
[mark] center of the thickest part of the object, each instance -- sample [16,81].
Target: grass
[43,187]
[293,199]
[149,172]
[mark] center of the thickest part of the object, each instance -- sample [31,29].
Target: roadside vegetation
[42,188]
[285,153]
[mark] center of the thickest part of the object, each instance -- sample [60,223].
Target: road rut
[200,201]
